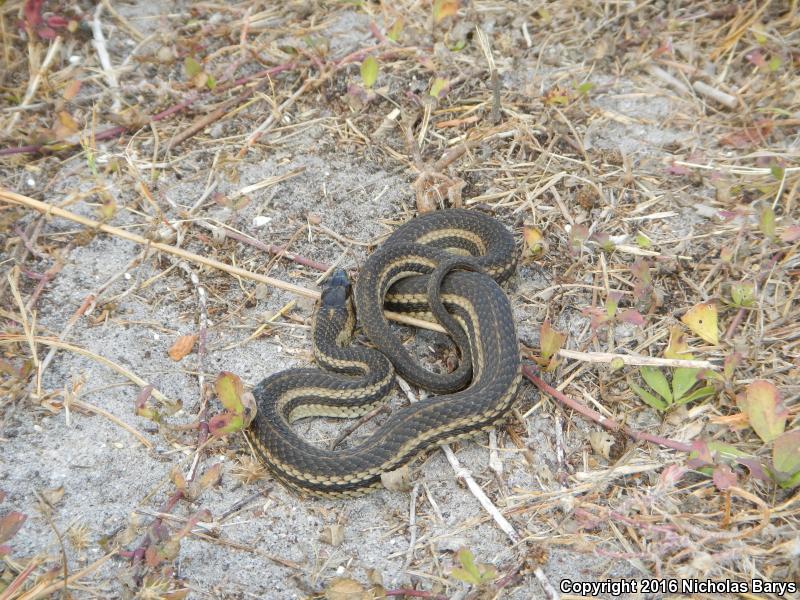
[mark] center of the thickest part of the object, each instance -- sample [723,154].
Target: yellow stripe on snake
[443,266]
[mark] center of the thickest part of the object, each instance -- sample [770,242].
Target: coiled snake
[443,266]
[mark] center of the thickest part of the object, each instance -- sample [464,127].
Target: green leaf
[225,423]
[766,221]
[467,560]
[774,63]
[438,87]
[792,482]
[192,67]
[683,379]
[369,71]
[657,381]
[550,340]
[229,391]
[211,83]
[742,294]
[648,398]
[708,390]
[584,88]
[612,303]
[396,29]
[762,405]
[466,576]
[777,172]
[786,455]
[725,451]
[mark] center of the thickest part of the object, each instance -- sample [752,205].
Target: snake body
[444,266]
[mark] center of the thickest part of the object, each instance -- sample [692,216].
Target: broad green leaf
[584,88]
[472,573]
[702,320]
[465,576]
[467,560]
[225,423]
[725,451]
[657,381]
[369,71]
[229,391]
[703,392]
[742,294]
[762,405]
[648,398]
[683,379]
[790,483]
[786,454]
[766,221]
[396,29]
[550,340]
[438,87]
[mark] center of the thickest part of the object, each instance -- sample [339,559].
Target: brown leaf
[182,346]
[53,496]
[749,136]
[343,588]
[10,525]
[332,535]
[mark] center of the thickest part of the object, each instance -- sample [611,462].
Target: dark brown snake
[443,266]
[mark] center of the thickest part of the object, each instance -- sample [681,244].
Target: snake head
[336,291]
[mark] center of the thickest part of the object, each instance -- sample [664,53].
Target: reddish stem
[595,416]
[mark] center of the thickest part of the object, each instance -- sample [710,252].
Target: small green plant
[550,342]
[240,405]
[786,459]
[682,390]
[602,317]
[742,295]
[197,75]
[471,573]
[369,72]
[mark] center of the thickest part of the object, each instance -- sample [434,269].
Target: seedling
[602,317]
[240,405]
[550,342]
[474,574]
[680,392]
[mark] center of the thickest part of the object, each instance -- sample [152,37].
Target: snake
[444,266]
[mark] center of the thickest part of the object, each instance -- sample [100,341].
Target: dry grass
[659,132]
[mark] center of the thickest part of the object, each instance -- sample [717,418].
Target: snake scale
[443,266]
